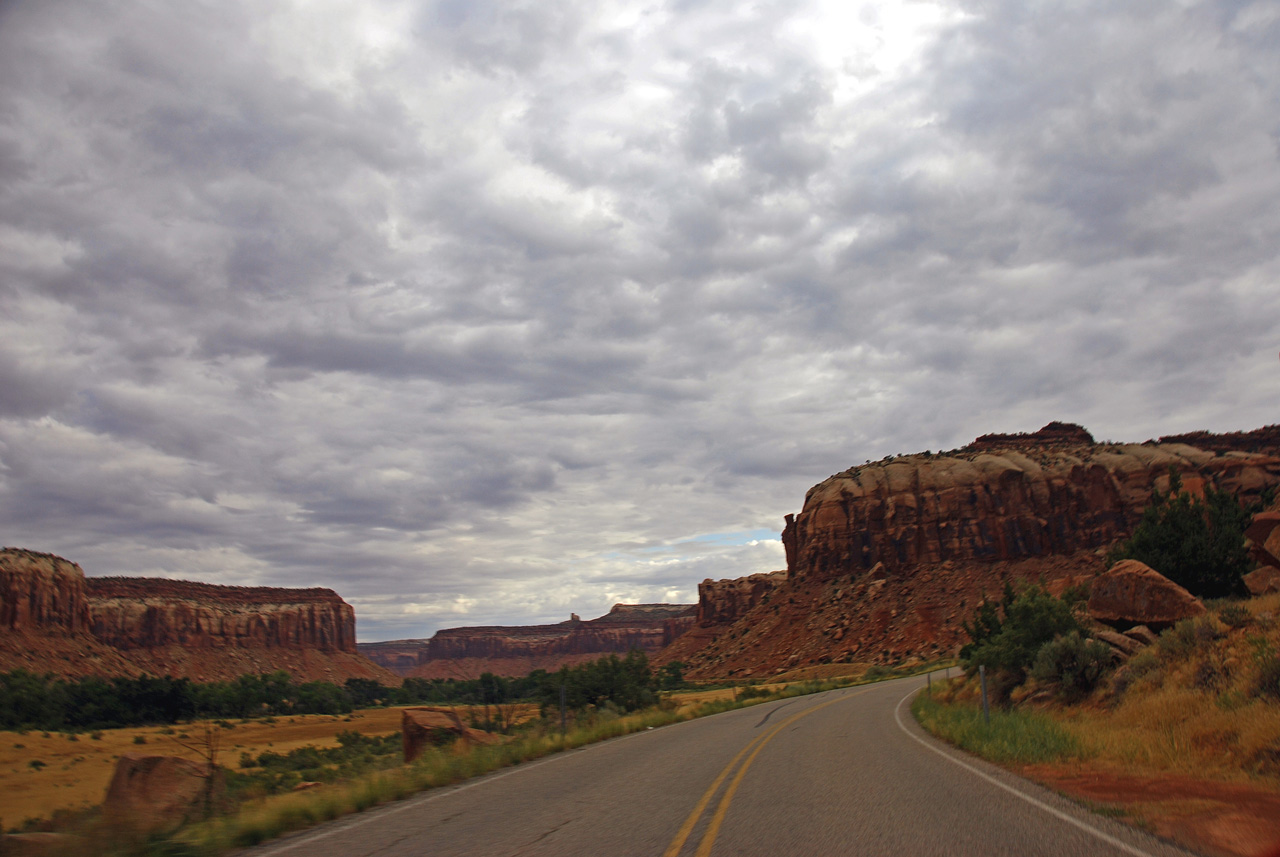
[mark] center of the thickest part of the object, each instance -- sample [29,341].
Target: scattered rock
[1264,534]
[1123,644]
[1263,580]
[432,727]
[158,793]
[306,786]
[1143,635]
[1133,593]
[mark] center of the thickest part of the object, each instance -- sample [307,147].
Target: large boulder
[434,727]
[1263,534]
[1262,581]
[1133,593]
[159,793]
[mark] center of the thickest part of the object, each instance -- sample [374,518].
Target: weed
[1268,683]
[1016,736]
[1235,616]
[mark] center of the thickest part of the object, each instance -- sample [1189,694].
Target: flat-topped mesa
[722,601]
[41,592]
[624,627]
[1005,497]
[131,613]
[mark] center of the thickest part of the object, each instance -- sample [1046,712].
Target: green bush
[1009,643]
[1073,664]
[1235,616]
[1198,544]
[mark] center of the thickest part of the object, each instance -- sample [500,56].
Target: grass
[268,817]
[1012,737]
[1194,704]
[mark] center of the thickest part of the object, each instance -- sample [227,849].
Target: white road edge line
[1087,828]
[431,795]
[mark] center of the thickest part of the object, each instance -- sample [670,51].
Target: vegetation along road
[842,772]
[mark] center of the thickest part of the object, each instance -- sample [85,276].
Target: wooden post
[986,709]
[930,681]
[563,694]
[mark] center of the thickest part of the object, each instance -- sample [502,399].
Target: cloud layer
[484,312]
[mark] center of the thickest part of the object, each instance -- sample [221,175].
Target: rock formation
[40,591]
[421,728]
[1132,593]
[723,601]
[54,619]
[132,612]
[885,561]
[1039,495]
[517,650]
[158,793]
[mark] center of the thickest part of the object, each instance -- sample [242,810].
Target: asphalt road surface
[843,772]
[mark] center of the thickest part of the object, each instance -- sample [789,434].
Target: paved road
[844,772]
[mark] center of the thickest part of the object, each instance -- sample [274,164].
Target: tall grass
[1012,737]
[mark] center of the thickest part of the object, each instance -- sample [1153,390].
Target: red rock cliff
[519,649]
[41,592]
[721,601]
[132,612]
[1032,497]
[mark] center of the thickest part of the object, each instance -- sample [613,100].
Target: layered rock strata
[1033,498]
[721,601]
[885,561]
[520,649]
[54,619]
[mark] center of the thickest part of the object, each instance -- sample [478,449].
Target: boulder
[1143,635]
[1263,580]
[158,793]
[1133,593]
[433,727]
[1122,644]
[1263,534]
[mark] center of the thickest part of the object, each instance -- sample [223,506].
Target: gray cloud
[485,312]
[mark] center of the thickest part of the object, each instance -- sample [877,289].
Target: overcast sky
[485,312]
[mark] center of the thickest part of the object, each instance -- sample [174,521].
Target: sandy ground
[1211,817]
[76,772]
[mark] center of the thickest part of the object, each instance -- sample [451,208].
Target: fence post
[930,679]
[986,710]
[562,710]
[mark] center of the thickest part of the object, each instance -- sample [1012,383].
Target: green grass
[1012,737]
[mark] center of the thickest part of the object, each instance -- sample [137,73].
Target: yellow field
[77,769]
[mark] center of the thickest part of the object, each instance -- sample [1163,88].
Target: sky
[487,312]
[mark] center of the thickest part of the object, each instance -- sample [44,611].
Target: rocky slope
[54,619]
[885,560]
[518,650]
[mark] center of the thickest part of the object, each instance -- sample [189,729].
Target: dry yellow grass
[76,772]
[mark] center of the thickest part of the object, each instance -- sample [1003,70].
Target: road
[844,772]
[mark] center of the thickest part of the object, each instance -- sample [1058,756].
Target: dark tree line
[32,701]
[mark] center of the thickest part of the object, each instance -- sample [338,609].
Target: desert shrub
[1268,683]
[1198,544]
[752,692]
[1073,664]
[1179,641]
[1009,643]
[1235,616]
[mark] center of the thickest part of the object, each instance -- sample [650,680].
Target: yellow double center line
[750,751]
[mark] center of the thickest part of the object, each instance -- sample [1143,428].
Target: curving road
[844,772]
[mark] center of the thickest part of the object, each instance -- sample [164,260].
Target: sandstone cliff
[887,559]
[722,601]
[54,619]
[518,650]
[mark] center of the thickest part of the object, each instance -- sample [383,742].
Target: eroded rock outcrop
[519,649]
[887,560]
[54,619]
[721,601]
[1036,497]
[133,612]
[40,591]
[421,728]
[1133,593]
[158,793]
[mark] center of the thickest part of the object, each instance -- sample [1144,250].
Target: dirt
[1241,819]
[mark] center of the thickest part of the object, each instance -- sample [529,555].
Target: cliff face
[40,591]
[520,649]
[131,613]
[885,561]
[990,503]
[54,619]
[721,601]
